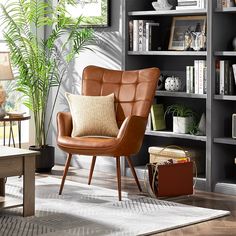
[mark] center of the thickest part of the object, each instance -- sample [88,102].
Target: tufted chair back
[134,90]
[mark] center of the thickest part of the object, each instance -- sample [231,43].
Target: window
[13,101]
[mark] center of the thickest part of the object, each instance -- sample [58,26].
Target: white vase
[181,124]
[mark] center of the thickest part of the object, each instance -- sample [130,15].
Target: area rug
[89,210]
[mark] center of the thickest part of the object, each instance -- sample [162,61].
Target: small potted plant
[183,118]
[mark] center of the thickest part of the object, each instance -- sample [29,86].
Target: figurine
[188,40]
[161,5]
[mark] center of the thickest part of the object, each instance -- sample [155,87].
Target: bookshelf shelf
[169,53]
[160,93]
[170,134]
[225,10]
[168,12]
[225,53]
[225,140]
[225,97]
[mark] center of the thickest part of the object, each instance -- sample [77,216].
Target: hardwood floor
[222,226]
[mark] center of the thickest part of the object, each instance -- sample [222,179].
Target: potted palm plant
[183,118]
[42,60]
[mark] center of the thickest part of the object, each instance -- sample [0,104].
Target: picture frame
[180,25]
[96,13]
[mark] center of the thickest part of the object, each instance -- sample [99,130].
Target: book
[188,3]
[135,35]
[201,66]
[223,77]
[222,74]
[149,123]
[153,36]
[217,78]
[157,115]
[141,24]
[131,35]
[226,78]
[140,35]
[231,82]
[205,80]
[188,82]
[196,76]
[191,79]
[234,72]
[187,7]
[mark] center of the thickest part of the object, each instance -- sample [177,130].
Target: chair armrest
[131,133]
[64,124]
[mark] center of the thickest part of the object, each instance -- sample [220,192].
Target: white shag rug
[89,210]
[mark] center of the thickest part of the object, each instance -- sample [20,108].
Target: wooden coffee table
[16,162]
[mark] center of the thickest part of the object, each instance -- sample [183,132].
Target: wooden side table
[11,135]
[15,162]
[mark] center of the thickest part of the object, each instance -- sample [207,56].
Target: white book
[186,1]
[201,66]
[135,35]
[148,48]
[222,76]
[205,80]
[196,76]
[234,70]
[200,5]
[188,85]
[193,3]
[140,35]
[187,7]
[191,79]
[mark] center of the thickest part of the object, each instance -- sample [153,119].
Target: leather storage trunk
[172,180]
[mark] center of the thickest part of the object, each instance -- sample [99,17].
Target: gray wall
[106,53]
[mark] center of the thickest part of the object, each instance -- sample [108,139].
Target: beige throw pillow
[93,115]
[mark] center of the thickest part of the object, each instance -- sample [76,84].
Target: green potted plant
[183,117]
[42,60]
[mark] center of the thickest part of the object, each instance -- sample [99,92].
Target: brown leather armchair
[134,92]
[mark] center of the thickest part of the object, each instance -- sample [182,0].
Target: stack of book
[196,77]
[157,117]
[144,35]
[191,4]
[225,3]
[225,79]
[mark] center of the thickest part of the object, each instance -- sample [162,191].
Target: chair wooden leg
[67,165]
[91,169]
[133,172]
[118,176]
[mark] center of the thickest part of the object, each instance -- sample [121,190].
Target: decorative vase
[181,124]
[173,84]
[44,161]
